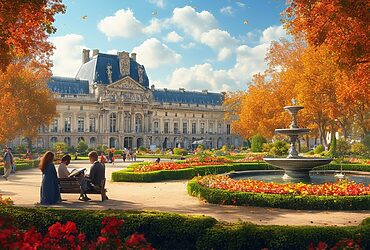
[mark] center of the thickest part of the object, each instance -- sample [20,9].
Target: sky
[216,45]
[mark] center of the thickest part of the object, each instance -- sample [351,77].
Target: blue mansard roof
[191,97]
[95,70]
[67,85]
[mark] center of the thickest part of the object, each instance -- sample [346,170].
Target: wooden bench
[72,186]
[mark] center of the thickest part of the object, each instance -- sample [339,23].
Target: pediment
[126,83]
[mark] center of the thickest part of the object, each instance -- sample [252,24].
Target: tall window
[210,129]
[92,124]
[67,140]
[185,128]
[113,122]
[228,129]
[219,128]
[202,128]
[127,122]
[156,127]
[166,127]
[80,124]
[193,128]
[54,126]
[176,128]
[67,124]
[138,123]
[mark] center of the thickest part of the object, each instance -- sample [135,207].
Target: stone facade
[124,113]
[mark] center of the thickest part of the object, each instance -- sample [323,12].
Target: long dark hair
[45,160]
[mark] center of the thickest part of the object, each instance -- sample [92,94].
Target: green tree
[59,147]
[82,147]
[257,143]
[333,147]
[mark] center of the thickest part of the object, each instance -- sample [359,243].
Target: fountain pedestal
[295,166]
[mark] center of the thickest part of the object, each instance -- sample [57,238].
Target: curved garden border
[309,202]
[186,173]
[128,175]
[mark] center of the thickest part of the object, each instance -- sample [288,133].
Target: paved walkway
[169,196]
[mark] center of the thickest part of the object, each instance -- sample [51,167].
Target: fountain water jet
[294,165]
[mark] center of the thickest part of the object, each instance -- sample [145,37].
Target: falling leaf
[154,13]
[84,17]
[245,21]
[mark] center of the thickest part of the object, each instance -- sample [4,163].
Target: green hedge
[173,231]
[186,173]
[23,164]
[309,202]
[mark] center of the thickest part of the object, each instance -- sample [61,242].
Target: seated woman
[49,193]
[62,169]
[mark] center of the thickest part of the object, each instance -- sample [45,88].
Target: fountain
[294,165]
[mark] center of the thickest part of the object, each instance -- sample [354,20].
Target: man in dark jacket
[94,179]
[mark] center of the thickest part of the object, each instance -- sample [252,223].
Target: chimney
[152,87]
[182,90]
[124,63]
[205,91]
[133,56]
[95,52]
[85,56]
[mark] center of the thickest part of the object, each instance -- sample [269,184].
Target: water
[315,178]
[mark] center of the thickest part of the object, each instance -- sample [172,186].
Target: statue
[109,73]
[140,72]
[294,102]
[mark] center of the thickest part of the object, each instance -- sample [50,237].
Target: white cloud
[272,33]
[159,3]
[228,11]
[240,4]
[192,22]
[221,41]
[199,77]
[188,45]
[121,24]
[173,37]
[155,26]
[67,55]
[112,51]
[152,54]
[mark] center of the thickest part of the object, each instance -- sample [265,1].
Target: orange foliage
[25,101]
[24,29]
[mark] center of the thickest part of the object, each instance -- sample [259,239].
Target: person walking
[124,155]
[8,162]
[49,193]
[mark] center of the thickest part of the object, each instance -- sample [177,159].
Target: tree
[24,29]
[60,147]
[26,103]
[82,147]
[257,142]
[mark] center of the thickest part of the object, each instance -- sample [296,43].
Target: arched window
[80,139]
[113,122]
[67,140]
[92,142]
[53,140]
[138,123]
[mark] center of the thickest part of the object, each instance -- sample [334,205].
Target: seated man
[62,169]
[97,174]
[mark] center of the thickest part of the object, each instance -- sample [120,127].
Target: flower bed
[66,236]
[173,231]
[189,163]
[224,190]
[185,173]
[23,164]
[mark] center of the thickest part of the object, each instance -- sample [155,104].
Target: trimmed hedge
[173,231]
[23,164]
[308,202]
[186,173]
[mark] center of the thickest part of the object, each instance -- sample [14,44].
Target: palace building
[111,102]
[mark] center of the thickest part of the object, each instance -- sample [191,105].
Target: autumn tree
[25,26]
[25,103]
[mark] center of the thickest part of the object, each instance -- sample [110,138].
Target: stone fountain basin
[297,167]
[292,131]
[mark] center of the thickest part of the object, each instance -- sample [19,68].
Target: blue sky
[195,44]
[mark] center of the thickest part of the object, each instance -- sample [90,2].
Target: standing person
[49,193]
[130,153]
[110,156]
[62,169]
[97,174]
[8,162]
[124,155]
[134,155]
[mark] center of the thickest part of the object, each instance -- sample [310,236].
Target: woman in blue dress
[49,193]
